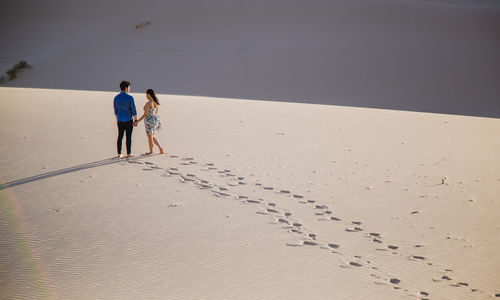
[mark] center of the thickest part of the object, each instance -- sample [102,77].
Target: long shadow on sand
[77,168]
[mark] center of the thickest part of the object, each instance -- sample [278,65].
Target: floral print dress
[152,120]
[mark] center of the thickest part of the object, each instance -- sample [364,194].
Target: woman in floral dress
[151,120]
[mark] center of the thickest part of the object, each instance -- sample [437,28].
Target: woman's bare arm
[146,111]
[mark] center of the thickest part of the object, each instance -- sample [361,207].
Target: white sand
[247,185]
[126,231]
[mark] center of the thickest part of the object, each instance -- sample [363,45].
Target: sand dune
[264,192]
[271,199]
[428,56]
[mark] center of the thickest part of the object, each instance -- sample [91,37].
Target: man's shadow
[95,164]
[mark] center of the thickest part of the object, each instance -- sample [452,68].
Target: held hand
[135,123]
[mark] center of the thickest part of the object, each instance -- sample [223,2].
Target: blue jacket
[124,107]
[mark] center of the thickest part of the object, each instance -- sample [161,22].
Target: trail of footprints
[288,222]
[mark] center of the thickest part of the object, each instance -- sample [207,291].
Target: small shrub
[21,65]
[12,73]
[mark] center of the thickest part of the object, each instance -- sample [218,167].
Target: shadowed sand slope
[253,200]
[431,56]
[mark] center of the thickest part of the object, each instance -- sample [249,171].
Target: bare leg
[158,144]
[150,143]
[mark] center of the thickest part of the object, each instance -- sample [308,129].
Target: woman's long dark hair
[152,93]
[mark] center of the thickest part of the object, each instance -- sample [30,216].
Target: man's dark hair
[124,84]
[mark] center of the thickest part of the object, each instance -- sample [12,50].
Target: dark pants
[125,127]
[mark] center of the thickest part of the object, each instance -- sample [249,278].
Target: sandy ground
[254,199]
[265,192]
[428,56]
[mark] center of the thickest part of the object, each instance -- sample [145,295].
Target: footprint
[311,201]
[220,194]
[253,201]
[417,257]
[284,221]
[148,163]
[203,186]
[287,214]
[297,224]
[356,222]
[310,243]
[268,188]
[284,192]
[393,247]
[355,229]
[335,219]
[395,281]
[353,263]
[184,178]
[298,196]
[334,246]
[272,210]
[374,234]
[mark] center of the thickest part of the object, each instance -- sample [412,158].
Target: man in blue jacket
[126,115]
